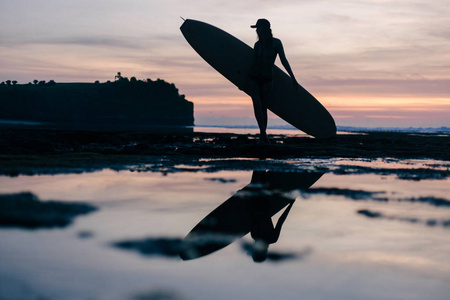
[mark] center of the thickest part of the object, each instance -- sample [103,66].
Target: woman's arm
[284,61]
[277,229]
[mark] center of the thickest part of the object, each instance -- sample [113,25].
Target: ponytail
[266,37]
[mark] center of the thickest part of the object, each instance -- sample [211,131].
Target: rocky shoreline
[33,151]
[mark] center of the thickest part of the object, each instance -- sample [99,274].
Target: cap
[261,23]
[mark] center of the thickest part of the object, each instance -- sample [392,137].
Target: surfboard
[232,58]
[233,219]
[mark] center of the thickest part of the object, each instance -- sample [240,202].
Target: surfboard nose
[186,27]
[193,28]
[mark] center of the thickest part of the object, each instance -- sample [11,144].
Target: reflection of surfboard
[233,218]
[232,58]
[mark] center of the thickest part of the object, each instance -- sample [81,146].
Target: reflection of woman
[265,52]
[262,230]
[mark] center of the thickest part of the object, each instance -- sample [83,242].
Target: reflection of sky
[352,257]
[390,57]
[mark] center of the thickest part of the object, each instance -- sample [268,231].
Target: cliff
[121,102]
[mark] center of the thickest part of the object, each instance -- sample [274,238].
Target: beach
[170,214]
[28,150]
[134,161]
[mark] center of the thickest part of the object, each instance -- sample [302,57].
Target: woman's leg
[266,93]
[260,109]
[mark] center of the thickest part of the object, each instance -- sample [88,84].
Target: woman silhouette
[265,50]
[262,231]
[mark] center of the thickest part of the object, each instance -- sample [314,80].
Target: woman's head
[260,249]
[263,29]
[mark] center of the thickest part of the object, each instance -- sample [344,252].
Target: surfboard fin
[182,18]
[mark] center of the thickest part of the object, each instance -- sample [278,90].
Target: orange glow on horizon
[345,110]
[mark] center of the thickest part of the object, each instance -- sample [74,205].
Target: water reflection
[249,210]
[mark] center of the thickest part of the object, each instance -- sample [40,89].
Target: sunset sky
[375,63]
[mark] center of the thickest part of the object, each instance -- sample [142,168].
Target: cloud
[440,32]
[419,88]
[88,41]
[94,42]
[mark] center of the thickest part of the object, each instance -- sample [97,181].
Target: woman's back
[265,56]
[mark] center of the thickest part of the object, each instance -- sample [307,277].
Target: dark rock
[25,210]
